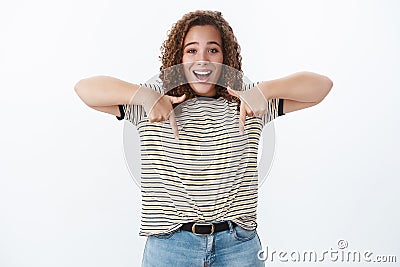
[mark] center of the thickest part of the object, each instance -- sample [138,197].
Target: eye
[191,51]
[213,50]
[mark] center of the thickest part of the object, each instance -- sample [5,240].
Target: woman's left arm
[300,90]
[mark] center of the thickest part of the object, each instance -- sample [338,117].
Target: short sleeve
[136,113]
[274,108]
[132,113]
[280,107]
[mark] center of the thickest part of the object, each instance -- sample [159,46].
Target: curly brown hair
[172,53]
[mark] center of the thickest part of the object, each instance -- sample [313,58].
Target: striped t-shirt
[209,174]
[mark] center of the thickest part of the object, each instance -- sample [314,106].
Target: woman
[199,170]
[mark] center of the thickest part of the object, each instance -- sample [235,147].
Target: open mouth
[202,75]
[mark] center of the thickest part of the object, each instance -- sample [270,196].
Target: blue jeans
[233,247]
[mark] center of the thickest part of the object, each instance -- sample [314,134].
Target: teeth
[202,72]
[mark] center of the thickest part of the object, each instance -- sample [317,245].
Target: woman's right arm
[105,93]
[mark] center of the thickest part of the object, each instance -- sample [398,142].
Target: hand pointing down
[159,107]
[252,104]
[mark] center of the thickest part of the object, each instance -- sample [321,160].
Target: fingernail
[176,138]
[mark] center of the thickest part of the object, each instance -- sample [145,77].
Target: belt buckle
[194,228]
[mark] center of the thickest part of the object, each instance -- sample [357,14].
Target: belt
[201,228]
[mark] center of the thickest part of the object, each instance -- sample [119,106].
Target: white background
[66,195]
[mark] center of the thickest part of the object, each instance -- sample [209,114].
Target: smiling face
[202,47]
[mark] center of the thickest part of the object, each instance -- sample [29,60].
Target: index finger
[174,125]
[242,117]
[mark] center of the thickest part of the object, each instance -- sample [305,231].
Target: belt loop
[230,226]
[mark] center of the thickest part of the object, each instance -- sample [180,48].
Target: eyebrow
[211,42]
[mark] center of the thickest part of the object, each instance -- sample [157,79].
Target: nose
[202,58]
[202,64]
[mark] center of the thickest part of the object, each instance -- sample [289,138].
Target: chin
[203,88]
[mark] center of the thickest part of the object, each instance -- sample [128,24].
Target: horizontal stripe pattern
[209,174]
